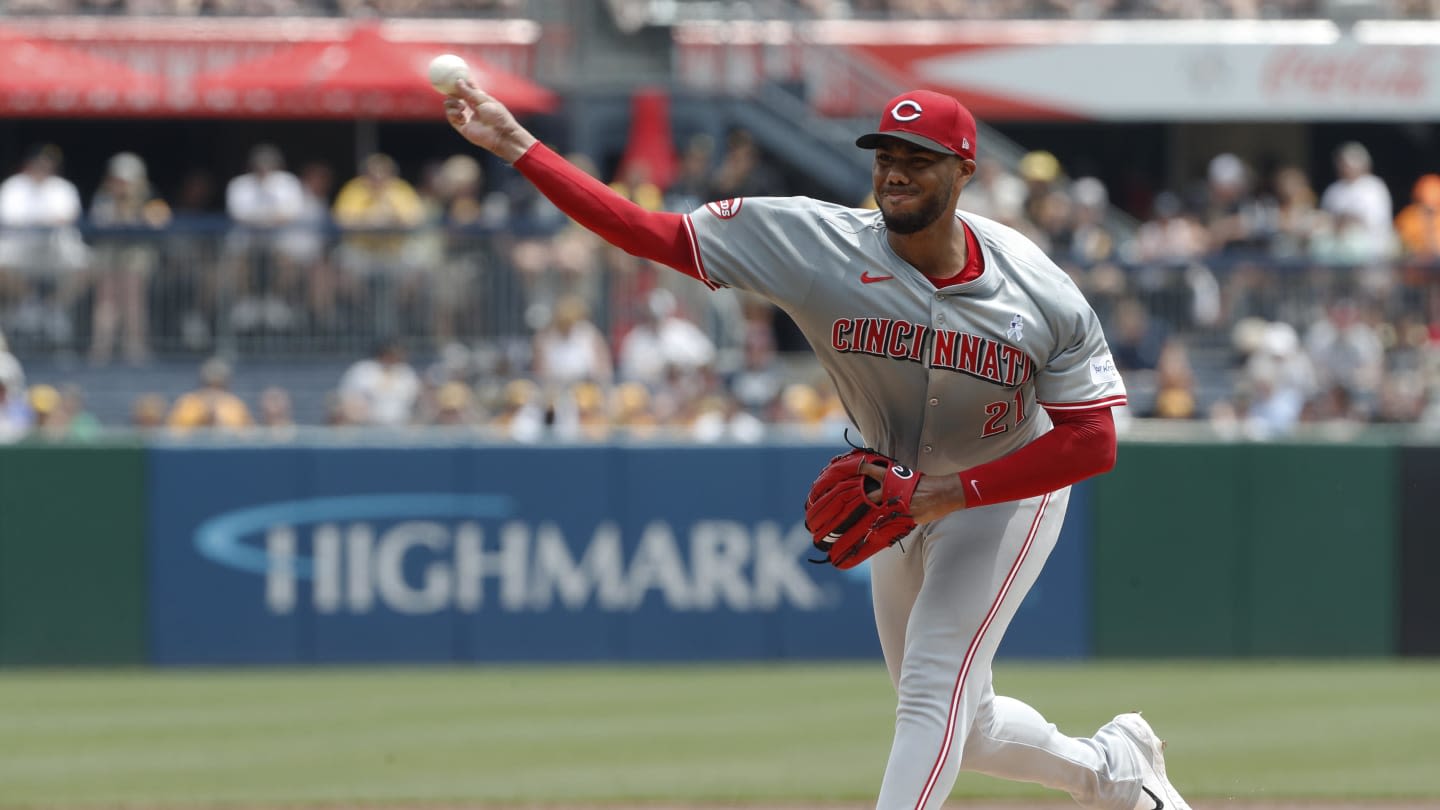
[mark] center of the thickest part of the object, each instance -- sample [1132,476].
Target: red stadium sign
[219,68]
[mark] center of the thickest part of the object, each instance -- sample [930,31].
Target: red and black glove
[853,516]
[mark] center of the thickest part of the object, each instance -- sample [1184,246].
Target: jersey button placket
[937,321]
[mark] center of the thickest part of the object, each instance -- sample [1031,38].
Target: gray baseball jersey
[942,379]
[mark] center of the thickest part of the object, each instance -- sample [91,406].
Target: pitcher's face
[915,187]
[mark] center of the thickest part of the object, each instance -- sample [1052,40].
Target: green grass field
[687,734]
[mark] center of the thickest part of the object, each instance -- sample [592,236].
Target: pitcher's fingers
[466,90]
[874,471]
[457,112]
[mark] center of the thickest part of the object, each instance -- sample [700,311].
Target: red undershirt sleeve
[1081,444]
[659,236]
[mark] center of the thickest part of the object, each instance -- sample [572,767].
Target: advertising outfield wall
[294,554]
[512,553]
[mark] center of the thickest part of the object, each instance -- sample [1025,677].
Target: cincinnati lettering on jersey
[897,339]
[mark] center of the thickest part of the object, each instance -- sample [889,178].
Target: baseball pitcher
[981,383]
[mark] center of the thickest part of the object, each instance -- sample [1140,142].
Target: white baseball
[445,70]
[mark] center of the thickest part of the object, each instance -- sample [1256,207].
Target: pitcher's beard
[914,221]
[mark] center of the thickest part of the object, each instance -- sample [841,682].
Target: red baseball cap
[927,119]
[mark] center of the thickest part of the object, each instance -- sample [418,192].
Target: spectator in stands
[277,414]
[1279,378]
[1418,224]
[47,412]
[1172,237]
[383,387]
[1092,240]
[11,372]
[147,412]
[758,381]
[127,216]
[265,203]
[1054,223]
[1041,172]
[579,412]
[1297,216]
[379,210]
[521,414]
[454,404]
[995,192]
[16,418]
[743,170]
[306,279]
[719,418]
[1401,399]
[691,186]
[570,348]
[82,423]
[454,252]
[1238,220]
[41,252]
[212,405]
[1175,394]
[662,338]
[1136,338]
[1361,199]
[1347,352]
[632,411]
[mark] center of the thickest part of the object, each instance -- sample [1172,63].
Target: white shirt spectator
[388,391]
[12,374]
[651,347]
[40,200]
[572,356]
[1361,196]
[263,200]
[26,202]
[572,349]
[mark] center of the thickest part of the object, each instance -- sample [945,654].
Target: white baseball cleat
[1156,792]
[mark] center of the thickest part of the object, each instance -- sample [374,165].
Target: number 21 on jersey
[998,415]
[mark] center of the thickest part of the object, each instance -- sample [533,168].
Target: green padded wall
[72,564]
[1247,549]
[1168,528]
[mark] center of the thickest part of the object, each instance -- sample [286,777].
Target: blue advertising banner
[512,553]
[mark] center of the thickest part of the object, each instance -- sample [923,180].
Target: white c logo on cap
[896,114]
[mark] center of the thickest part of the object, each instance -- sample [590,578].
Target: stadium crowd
[732,9]
[1257,302]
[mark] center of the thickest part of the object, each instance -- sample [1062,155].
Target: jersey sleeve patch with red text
[725,209]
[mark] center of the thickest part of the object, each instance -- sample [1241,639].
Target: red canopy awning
[365,76]
[42,78]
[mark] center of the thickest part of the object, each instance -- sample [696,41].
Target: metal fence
[201,287]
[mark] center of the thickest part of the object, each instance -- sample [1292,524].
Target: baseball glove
[849,527]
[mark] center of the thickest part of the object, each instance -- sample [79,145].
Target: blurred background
[291,375]
[327,384]
[259,196]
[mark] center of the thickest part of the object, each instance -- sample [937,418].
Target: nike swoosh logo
[975,485]
[866,278]
[1159,805]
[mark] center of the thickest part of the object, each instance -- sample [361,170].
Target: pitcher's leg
[895,578]
[978,566]
[1011,740]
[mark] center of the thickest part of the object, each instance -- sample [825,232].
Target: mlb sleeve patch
[1102,370]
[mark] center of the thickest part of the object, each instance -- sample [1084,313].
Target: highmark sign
[418,554]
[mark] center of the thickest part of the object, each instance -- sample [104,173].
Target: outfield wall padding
[1246,549]
[72,540]
[1420,551]
[298,555]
